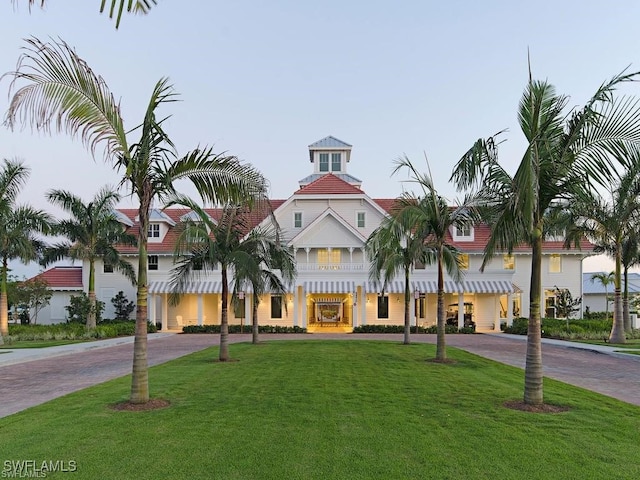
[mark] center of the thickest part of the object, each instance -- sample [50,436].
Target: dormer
[330,155]
[159,225]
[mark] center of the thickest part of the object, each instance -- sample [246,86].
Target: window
[508,262]
[463,232]
[463,261]
[550,303]
[297,219]
[197,264]
[154,230]
[107,268]
[329,258]
[420,306]
[383,306]
[336,162]
[324,162]
[152,262]
[555,263]
[360,219]
[276,306]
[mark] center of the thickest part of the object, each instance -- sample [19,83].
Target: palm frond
[53,88]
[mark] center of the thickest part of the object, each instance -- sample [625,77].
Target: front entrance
[329,314]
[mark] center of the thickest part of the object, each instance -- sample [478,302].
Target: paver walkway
[31,377]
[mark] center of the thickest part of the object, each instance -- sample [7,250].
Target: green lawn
[330,410]
[39,343]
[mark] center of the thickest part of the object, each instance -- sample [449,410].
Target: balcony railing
[358,267]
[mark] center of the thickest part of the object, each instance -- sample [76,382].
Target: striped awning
[189,287]
[330,286]
[465,286]
[390,287]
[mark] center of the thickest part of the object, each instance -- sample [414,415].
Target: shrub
[400,329]
[123,306]
[557,328]
[79,308]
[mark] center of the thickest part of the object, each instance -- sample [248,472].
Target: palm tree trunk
[254,320]
[407,316]
[625,302]
[224,320]
[441,349]
[91,317]
[617,329]
[4,314]
[140,371]
[533,392]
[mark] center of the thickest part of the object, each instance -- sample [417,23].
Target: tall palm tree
[270,267]
[630,258]
[117,7]
[19,227]
[394,248]
[54,87]
[204,244]
[431,216]
[93,232]
[609,222]
[605,280]
[564,151]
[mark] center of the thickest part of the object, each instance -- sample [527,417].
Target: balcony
[343,267]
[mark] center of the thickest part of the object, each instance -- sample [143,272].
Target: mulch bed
[543,408]
[152,404]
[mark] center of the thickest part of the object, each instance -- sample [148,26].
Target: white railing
[330,267]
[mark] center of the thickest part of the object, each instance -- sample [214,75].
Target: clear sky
[264,79]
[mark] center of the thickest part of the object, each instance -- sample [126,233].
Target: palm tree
[269,268]
[395,247]
[61,90]
[564,151]
[609,223]
[116,9]
[204,244]
[93,232]
[605,280]
[630,258]
[19,226]
[431,216]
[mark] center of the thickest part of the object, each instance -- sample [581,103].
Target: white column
[363,312]
[247,310]
[509,309]
[151,304]
[497,307]
[296,300]
[200,309]
[303,322]
[460,310]
[412,310]
[165,312]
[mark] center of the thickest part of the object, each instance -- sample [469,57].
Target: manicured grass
[331,410]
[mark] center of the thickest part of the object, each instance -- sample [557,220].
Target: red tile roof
[328,184]
[62,277]
[254,216]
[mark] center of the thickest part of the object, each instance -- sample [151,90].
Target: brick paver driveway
[26,384]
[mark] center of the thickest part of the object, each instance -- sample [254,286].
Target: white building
[327,221]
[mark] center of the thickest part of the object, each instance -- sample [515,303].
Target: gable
[328,231]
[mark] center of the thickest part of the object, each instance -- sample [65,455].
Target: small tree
[566,305]
[123,306]
[79,308]
[35,295]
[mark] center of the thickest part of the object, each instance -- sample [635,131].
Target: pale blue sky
[264,79]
